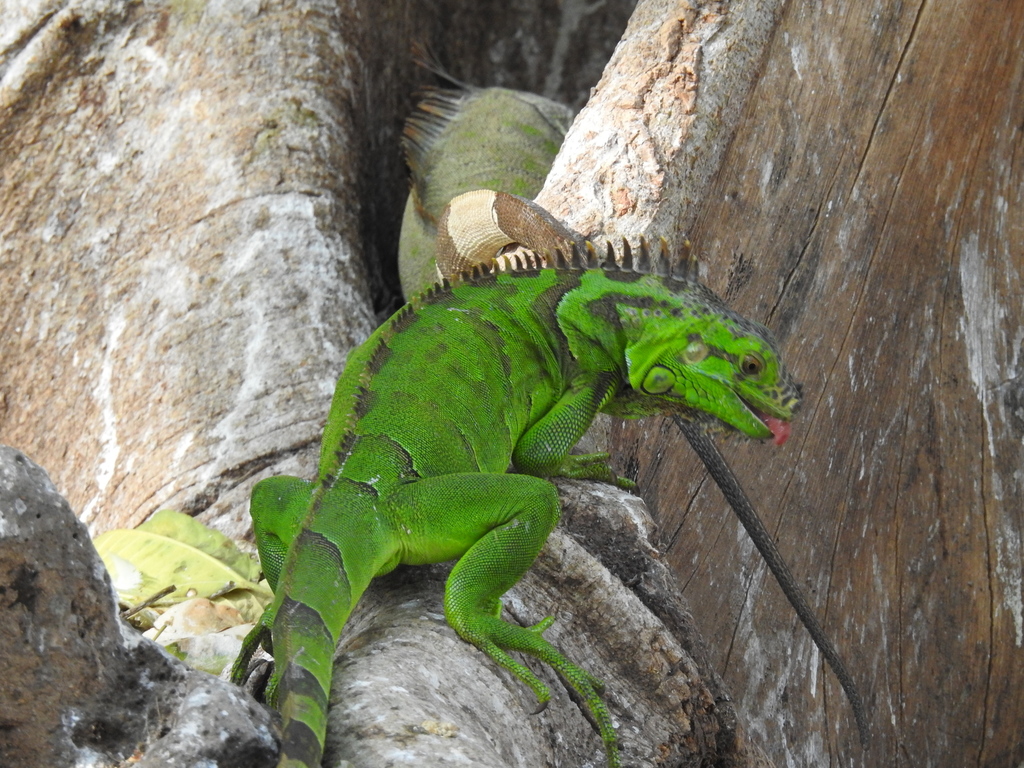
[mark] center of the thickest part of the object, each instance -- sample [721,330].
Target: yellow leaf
[173,548]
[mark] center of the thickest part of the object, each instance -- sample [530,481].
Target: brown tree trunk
[871,211]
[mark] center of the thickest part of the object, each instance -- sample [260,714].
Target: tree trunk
[179,190]
[870,211]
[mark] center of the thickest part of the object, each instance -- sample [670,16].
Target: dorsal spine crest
[635,258]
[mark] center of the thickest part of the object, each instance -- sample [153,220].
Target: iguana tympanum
[490,369]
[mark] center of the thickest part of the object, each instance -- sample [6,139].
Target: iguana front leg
[543,450]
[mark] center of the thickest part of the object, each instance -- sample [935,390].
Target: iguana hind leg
[507,518]
[278,508]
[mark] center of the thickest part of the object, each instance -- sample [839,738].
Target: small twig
[223,590]
[149,601]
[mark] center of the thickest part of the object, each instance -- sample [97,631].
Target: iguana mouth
[780,429]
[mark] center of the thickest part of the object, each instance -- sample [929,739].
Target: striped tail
[315,601]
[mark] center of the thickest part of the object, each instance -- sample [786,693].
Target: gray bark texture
[198,209]
[179,191]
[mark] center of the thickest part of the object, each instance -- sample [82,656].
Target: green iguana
[490,369]
[466,138]
[461,139]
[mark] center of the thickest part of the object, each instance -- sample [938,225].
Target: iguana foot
[495,637]
[242,670]
[592,466]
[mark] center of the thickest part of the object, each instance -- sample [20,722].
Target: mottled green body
[426,419]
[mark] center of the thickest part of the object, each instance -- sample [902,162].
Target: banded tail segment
[302,691]
[320,545]
[315,600]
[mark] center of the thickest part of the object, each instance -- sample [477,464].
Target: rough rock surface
[80,687]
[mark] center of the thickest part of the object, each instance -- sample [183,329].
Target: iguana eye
[658,380]
[752,364]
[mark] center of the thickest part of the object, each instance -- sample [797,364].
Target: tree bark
[870,211]
[179,193]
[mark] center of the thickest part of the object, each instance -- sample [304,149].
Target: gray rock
[77,685]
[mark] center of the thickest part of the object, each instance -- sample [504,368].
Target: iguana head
[702,356]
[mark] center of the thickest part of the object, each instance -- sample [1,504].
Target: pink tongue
[778,427]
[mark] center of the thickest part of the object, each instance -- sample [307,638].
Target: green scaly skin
[424,422]
[463,139]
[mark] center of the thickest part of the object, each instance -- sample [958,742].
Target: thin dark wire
[722,474]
